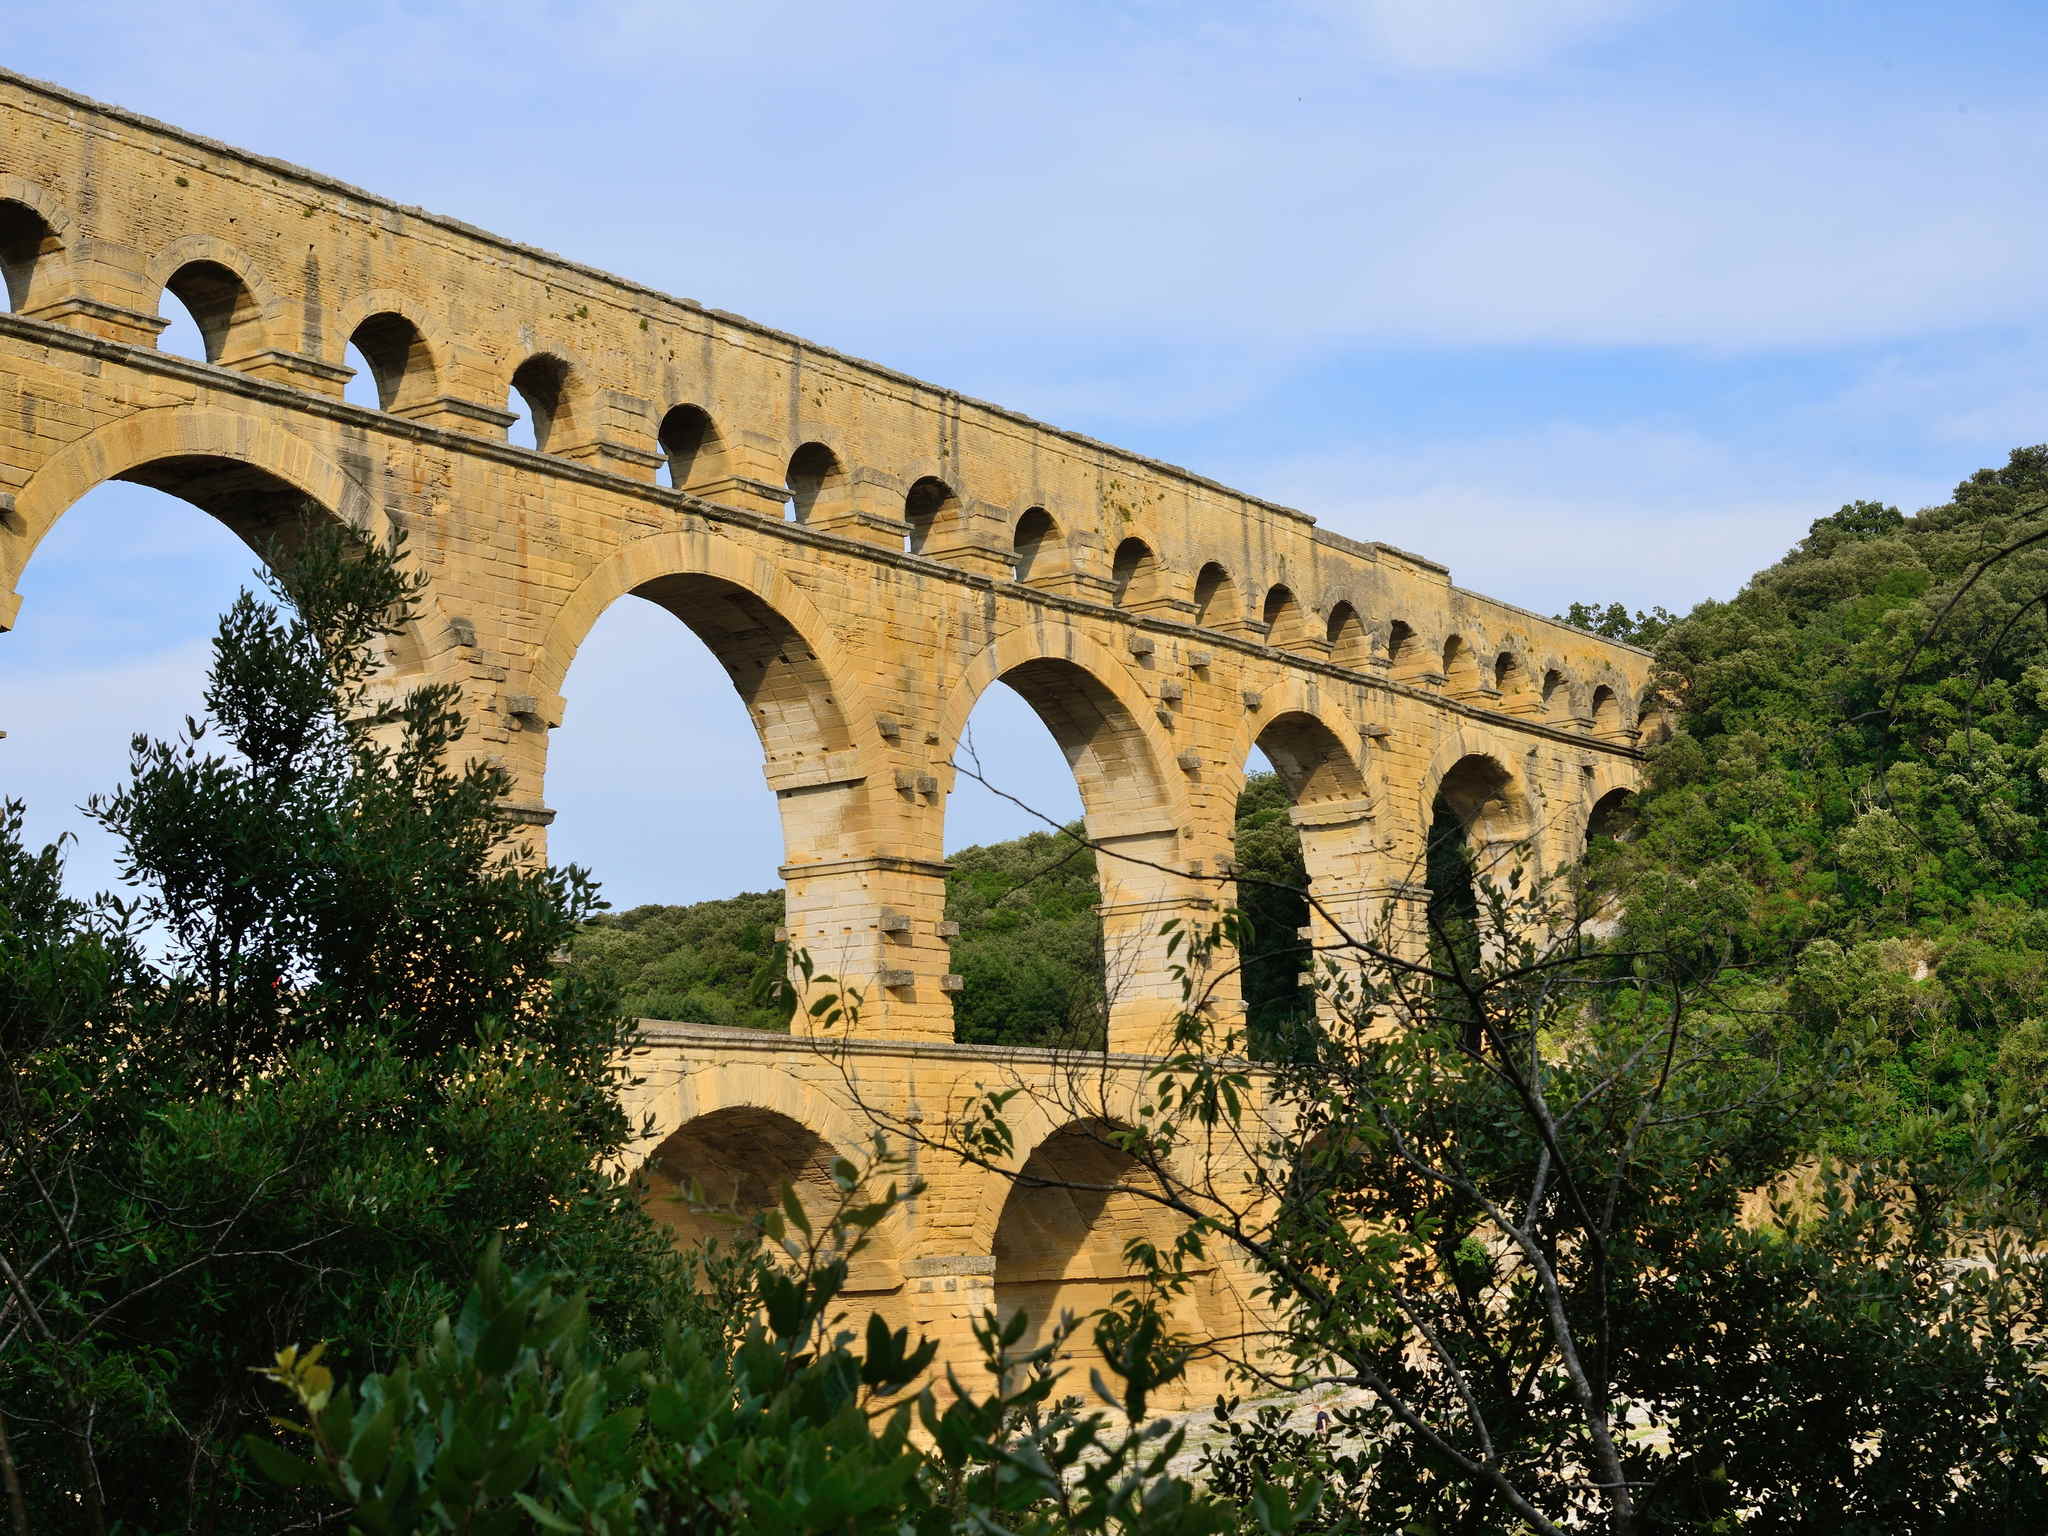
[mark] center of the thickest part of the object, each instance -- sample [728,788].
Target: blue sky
[1585,297]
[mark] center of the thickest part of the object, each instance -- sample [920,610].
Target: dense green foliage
[1272,900]
[1559,1301]
[513,1417]
[1030,946]
[1853,811]
[337,1065]
[1616,622]
[711,962]
[1029,950]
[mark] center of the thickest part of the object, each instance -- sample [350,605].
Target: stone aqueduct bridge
[865,553]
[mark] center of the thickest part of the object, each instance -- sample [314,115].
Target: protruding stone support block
[453,415]
[293,368]
[109,322]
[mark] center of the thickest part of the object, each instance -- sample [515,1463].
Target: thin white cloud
[1477,36]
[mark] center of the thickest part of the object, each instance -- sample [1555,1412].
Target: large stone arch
[1134,803]
[1493,832]
[1059,1237]
[1137,744]
[738,1153]
[1323,761]
[822,755]
[811,714]
[206,456]
[1518,821]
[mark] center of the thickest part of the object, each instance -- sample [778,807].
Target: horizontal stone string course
[866,555]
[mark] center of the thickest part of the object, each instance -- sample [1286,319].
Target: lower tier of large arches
[739,1116]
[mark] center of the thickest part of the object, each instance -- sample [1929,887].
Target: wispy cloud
[1477,36]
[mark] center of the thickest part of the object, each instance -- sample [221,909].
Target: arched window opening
[539,398]
[221,307]
[1478,824]
[393,366]
[1556,693]
[735,1163]
[689,447]
[1215,596]
[929,500]
[813,472]
[26,241]
[1509,676]
[1037,535]
[1653,721]
[1606,711]
[1349,644]
[1135,572]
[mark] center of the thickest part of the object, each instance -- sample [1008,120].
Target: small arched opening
[1035,545]
[1286,622]
[1350,645]
[1653,720]
[393,367]
[539,399]
[1135,570]
[1460,667]
[1408,659]
[690,447]
[1606,711]
[27,243]
[1216,596]
[813,474]
[222,310]
[1556,694]
[929,502]
[1510,677]
[704,1182]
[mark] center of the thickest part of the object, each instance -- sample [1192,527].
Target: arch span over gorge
[865,552]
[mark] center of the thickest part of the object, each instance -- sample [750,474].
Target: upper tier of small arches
[1118,546]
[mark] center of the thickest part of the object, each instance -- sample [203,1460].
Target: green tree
[1614,621]
[711,962]
[514,1417]
[283,1091]
[1856,772]
[1564,1251]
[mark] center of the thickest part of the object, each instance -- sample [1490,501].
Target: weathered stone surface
[865,553]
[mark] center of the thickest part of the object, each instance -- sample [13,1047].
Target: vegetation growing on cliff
[1850,823]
